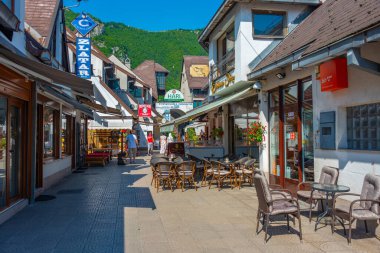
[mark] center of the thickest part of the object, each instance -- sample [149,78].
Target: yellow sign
[225,83]
[199,70]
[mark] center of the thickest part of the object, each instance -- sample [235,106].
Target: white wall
[185,86]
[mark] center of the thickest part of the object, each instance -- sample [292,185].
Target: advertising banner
[83,64]
[145,110]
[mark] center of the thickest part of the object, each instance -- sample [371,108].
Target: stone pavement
[114,209]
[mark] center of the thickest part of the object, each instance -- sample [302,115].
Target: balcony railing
[224,66]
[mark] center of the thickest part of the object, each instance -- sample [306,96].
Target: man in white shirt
[132,146]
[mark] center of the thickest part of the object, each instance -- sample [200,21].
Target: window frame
[268,12]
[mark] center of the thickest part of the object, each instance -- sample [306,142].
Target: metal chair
[268,206]
[367,207]
[329,175]
[186,171]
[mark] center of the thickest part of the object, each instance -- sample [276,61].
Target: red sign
[333,75]
[145,111]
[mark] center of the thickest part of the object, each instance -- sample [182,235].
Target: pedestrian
[150,143]
[163,144]
[132,143]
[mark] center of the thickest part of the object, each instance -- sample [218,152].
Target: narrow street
[112,208]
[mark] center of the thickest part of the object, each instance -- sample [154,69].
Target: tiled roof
[40,14]
[147,72]
[195,82]
[332,21]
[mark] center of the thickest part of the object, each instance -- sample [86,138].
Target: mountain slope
[166,48]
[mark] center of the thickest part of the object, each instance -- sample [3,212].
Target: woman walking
[163,143]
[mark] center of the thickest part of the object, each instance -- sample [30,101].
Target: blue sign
[83,65]
[84,24]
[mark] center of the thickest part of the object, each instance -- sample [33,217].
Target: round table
[329,190]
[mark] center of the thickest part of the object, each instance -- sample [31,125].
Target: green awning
[209,107]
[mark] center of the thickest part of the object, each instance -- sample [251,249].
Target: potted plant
[217,133]
[256,133]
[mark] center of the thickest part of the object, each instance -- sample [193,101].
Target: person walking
[132,143]
[163,144]
[150,143]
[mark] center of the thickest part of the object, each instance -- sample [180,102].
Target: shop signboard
[84,24]
[145,110]
[83,58]
[174,96]
[333,75]
[165,108]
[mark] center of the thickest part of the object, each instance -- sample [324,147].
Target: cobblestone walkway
[114,209]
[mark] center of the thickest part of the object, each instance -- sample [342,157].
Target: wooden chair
[367,207]
[153,166]
[246,172]
[329,175]
[221,172]
[186,171]
[268,206]
[165,174]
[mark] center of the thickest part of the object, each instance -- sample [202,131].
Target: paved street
[114,209]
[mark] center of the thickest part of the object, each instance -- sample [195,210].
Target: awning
[45,73]
[211,106]
[241,85]
[100,108]
[167,129]
[68,100]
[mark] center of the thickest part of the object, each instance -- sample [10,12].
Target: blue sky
[152,15]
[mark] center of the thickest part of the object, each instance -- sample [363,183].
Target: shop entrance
[291,140]
[12,152]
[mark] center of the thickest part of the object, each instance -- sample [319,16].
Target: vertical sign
[83,65]
[145,110]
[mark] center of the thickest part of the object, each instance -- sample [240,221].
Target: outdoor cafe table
[330,190]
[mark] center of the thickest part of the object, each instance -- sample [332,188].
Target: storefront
[15,137]
[290,133]
[241,116]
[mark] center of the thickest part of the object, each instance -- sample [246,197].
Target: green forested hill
[166,48]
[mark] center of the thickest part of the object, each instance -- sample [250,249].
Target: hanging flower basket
[217,133]
[256,133]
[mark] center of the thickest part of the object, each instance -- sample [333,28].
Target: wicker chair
[186,171]
[245,172]
[262,173]
[153,166]
[221,172]
[367,207]
[268,206]
[329,175]
[165,174]
[208,172]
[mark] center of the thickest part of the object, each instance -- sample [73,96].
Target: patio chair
[367,207]
[329,175]
[199,166]
[245,172]
[153,166]
[165,174]
[268,206]
[208,171]
[262,173]
[221,172]
[186,171]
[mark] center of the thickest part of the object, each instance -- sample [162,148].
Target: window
[66,134]
[9,4]
[50,129]
[196,103]
[268,24]
[161,80]
[363,127]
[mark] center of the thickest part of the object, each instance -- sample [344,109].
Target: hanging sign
[83,65]
[84,24]
[145,110]
[333,75]
[174,96]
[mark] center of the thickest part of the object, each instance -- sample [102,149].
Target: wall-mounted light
[257,85]
[281,75]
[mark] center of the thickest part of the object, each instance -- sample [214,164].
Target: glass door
[307,131]
[15,150]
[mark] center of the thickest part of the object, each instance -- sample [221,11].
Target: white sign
[174,96]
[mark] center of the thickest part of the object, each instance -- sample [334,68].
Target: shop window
[50,133]
[363,127]
[269,24]
[3,150]
[66,134]
[274,129]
